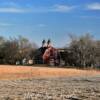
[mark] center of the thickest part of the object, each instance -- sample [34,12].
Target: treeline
[15,49]
[83,51]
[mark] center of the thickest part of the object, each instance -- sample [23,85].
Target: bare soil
[42,83]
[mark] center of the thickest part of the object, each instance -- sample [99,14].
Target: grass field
[42,83]
[20,72]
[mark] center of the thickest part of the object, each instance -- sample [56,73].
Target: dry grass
[24,72]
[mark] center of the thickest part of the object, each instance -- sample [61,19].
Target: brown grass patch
[21,72]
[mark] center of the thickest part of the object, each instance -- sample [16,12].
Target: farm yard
[31,73]
[43,83]
[49,50]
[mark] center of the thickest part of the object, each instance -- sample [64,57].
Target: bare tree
[15,49]
[83,50]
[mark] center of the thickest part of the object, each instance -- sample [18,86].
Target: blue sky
[54,19]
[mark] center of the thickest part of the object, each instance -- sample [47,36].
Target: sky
[54,19]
